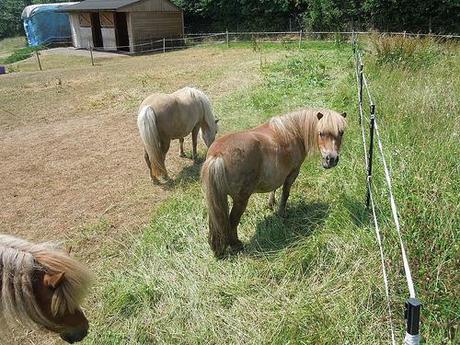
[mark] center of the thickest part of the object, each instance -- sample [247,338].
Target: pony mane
[19,262]
[332,122]
[206,103]
[304,124]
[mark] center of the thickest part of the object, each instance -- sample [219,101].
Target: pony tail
[207,111]
[215,184]
[146,121]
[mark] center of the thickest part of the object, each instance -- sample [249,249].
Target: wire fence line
[378,235]
[148,45]
[412,305]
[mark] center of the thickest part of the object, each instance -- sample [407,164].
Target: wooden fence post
[38,60]
[91,53]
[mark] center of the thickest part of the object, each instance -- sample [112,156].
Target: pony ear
[53,280]
[344,114]
[319,116]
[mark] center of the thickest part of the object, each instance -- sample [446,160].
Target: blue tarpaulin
[46,24]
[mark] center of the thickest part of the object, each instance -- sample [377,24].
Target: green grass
[315,276]
[8,45]
[14,50]
[19,55]
[419,108]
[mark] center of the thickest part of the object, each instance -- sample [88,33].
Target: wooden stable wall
[85,31]
[148,26]
[108,30]
[146,21]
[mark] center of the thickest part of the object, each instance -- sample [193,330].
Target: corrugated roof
[89,5]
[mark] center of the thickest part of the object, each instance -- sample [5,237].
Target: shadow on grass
[357,209]
[275,233]
[187,175]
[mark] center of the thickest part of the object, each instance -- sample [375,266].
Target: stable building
[124,25]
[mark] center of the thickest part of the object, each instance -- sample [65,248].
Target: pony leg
[239,206]
[164,150]
[181,147]
[194,141]
[272,200]
[286,190]
[149,165]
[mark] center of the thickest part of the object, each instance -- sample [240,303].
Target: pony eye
[321,134]
[340,133]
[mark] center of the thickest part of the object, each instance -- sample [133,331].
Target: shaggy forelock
[19,261]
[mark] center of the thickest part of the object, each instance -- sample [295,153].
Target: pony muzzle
[330,161]
[74,336]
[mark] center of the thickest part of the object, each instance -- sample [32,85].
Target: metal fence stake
[360,95]
[226,38]
[412,317]
[164,45]
[300,38]
[370,154]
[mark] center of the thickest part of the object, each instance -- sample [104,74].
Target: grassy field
[313,277]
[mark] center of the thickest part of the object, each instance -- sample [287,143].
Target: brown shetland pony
[42,285]
[260,160]
[163,117]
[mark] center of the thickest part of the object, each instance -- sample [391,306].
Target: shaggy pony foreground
[260,160]
[41,284]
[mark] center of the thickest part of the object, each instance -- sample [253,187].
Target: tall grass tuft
[410,52]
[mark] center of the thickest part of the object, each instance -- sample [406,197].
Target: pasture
[73,170]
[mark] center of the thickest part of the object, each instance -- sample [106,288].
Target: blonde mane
[304,125]
[205,102]
[19,262]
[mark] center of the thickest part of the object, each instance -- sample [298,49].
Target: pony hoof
[219,255]
[281,213]
[237,247]
[155,181]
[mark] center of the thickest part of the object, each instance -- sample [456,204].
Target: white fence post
[91,53]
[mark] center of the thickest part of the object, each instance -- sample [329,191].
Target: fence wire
[412,337]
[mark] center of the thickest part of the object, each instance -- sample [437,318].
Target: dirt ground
[80,52]
[70,151]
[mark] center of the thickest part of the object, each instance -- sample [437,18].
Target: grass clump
[410,52]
